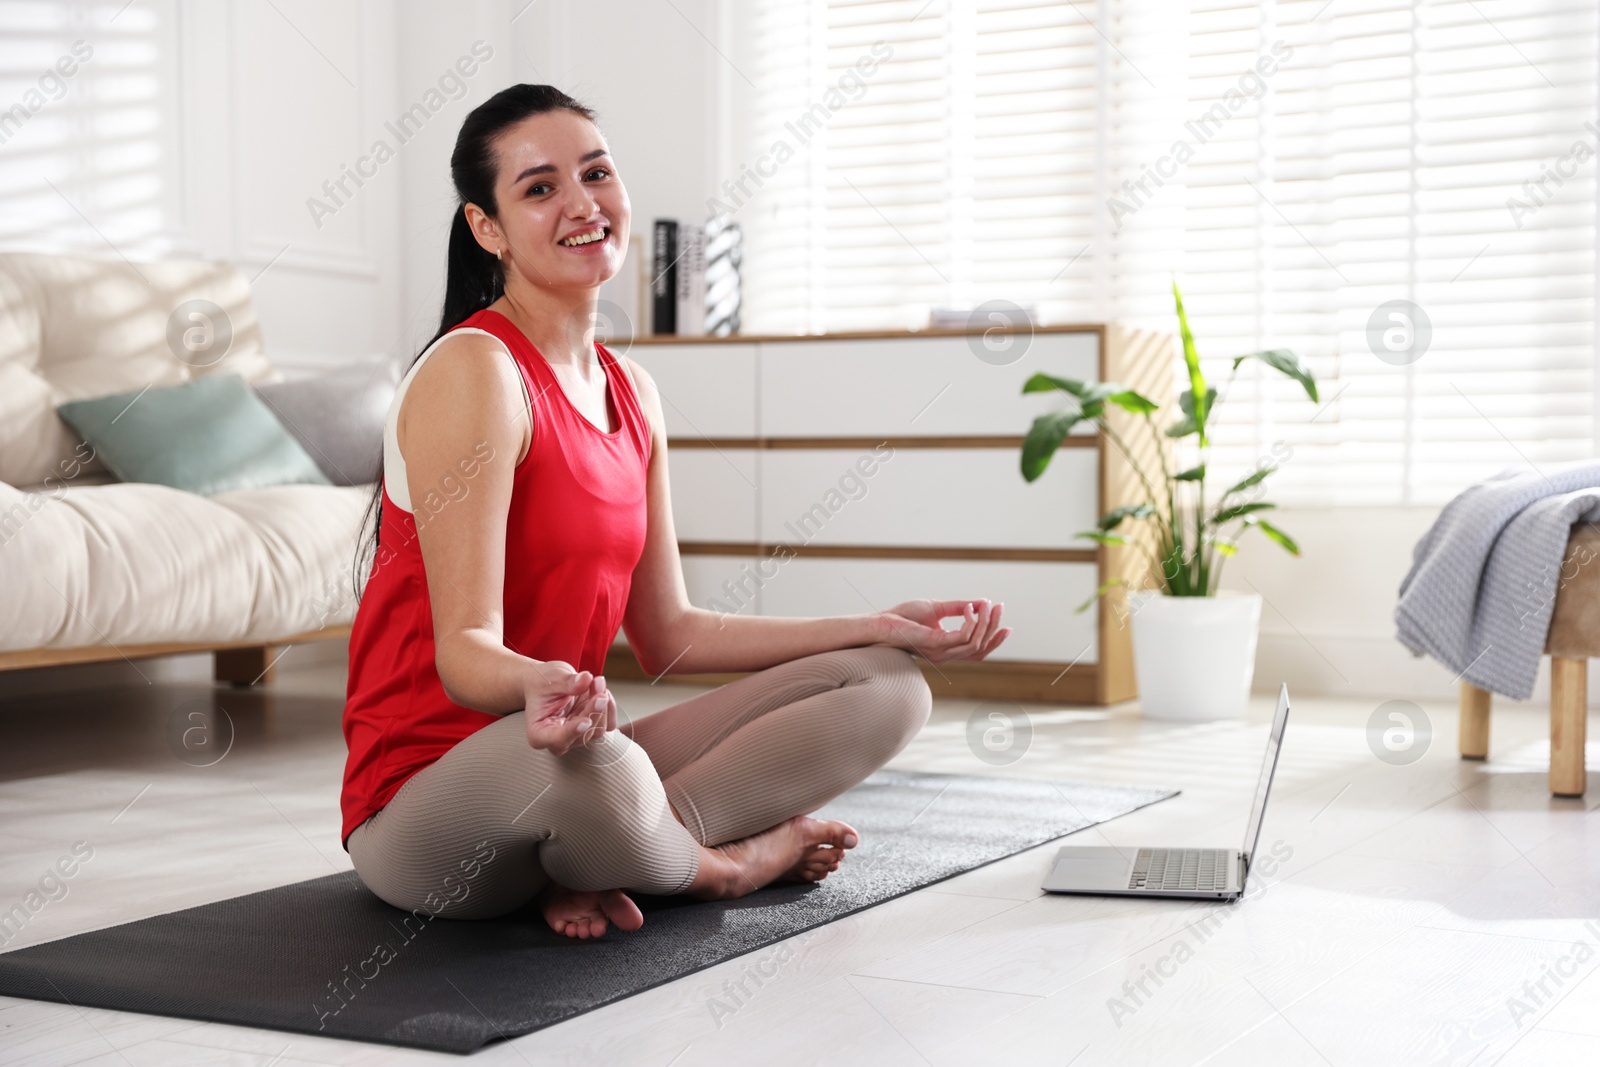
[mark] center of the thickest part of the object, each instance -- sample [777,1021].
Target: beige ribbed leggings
[480,831]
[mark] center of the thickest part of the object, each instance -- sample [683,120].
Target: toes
[584,919]
[819,865]
[575,914]
[840,835]
[621,910]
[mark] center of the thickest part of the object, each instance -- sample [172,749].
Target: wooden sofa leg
[1569,712]
[243,666]
[1475,705]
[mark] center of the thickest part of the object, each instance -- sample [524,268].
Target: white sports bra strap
[394,464]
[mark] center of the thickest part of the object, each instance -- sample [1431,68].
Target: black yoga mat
[307,957]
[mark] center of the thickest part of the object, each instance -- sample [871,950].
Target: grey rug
[306,957]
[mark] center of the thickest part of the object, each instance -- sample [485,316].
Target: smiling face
[564,213]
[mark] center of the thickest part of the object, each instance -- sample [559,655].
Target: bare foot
[801,849]
[583,913]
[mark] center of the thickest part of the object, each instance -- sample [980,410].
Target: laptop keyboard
[1200,869]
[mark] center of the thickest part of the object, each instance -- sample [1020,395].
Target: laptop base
[1098,871]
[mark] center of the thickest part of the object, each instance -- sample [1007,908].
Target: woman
[523,515]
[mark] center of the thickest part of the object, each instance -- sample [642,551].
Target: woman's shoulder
[466,376]
[469,357]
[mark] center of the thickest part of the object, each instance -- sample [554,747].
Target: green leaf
[1187,425]
[1193,474]
[1284,362]
[1238,511]
[1191,359]
[1186,400]
[1044,437]
[1043,383]
[1129,400]
[1275,534]
[1087,392]
[1254,479]
[1091,405]
[1113,518]
[1091,396]
[1227,548]
[1102,538]
[1098,593]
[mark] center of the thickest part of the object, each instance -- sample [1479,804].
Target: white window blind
[1299,166]
[89,105]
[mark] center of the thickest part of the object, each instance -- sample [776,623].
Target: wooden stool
[1574,637]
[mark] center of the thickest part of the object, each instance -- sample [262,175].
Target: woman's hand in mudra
[567,707]
[915,627]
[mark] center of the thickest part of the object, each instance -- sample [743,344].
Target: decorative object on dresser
[1194,648]
[843,473]
[724,253]
[694,277]
[625,305]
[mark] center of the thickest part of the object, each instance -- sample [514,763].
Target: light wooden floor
[1440,912]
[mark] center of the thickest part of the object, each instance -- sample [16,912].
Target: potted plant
[1193,649]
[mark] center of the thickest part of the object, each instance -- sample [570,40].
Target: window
[1403,193]
[88,128]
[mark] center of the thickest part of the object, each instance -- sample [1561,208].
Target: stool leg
[1474,721]
[1569,710]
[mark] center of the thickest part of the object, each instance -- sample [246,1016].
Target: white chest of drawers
[832,475]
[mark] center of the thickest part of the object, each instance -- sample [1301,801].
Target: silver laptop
[1203,873]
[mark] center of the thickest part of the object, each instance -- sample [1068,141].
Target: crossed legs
[784,741]
[488,826]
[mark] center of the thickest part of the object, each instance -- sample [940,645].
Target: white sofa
[96,569]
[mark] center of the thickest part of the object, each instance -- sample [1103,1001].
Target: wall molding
[216,219]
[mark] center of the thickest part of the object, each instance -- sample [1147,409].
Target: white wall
[432,38]
[1327,621]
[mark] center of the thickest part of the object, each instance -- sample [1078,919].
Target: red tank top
[575,531]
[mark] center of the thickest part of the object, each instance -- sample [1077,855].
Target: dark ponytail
[474,278]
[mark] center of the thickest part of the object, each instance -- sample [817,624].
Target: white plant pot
[1194,656]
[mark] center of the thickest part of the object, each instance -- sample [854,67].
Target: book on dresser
[691,281]
[844,473]
[664,277]
[678,278]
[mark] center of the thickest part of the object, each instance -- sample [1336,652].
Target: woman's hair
[474,277]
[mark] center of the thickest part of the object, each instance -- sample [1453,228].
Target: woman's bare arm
[463,427]
[666,632]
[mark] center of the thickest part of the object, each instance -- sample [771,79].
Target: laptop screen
[1269,763]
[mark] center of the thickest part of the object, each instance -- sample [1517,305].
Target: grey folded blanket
[1483,580]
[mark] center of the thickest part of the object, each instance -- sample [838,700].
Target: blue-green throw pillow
[205,436]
